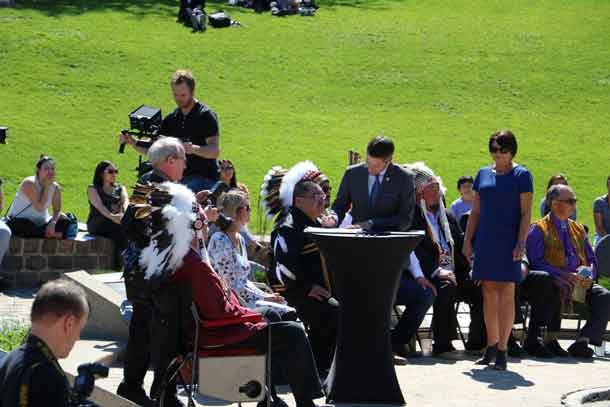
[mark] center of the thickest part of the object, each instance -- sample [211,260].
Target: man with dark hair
[196,125]
[301,269]
[463,204]
[30,375]
[381,195]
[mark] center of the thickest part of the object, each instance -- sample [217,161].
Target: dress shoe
[556,348]
[442,348]
[536,348]
[275,402]
[580,349]
[399,360]
[135,394]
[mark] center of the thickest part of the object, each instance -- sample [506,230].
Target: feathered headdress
[278,186]
[424,176]
[173,219]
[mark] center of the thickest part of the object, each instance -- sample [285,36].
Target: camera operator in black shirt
[30,375]
[196,125]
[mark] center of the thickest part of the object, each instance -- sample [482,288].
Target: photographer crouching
[196,125]
[30,375]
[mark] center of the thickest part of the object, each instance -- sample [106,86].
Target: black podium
[365,271]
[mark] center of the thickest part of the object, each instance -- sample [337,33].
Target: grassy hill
[437,76]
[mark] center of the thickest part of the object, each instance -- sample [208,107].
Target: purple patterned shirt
[535,250]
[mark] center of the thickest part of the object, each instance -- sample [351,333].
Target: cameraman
[196,125]
[168,158]
[30,375]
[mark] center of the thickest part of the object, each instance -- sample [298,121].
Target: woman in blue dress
[499,222]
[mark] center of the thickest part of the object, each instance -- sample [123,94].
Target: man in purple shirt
[559,247]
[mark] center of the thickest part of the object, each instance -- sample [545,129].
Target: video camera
[3,132]
[85,382]
[145,123]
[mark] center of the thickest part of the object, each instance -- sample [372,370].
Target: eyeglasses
[179,157]
[571,201]
[494,149]
[227,168]
[112,171]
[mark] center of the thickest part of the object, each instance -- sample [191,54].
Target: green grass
[437,76]
[11,336]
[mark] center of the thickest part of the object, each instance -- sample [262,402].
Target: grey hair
[554,193]
[164,148]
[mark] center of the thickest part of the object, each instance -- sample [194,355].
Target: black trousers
[545,302]
[444,322]
[137,357]
[109,229]
[291,352]
[26,228]
[321,320]
[543,296]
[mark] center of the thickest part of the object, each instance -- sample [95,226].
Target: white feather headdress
[169,245]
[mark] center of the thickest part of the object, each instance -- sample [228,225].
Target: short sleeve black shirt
[196,126]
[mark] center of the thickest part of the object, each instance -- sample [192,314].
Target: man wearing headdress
[174,256]
[440,258]
[168,159]
[298,264]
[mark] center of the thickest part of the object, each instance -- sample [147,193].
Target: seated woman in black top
[107,202]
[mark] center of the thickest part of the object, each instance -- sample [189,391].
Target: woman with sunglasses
[108,201]
[29,213]
[498,226]
[229,255]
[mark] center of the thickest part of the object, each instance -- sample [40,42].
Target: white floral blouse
[232,265]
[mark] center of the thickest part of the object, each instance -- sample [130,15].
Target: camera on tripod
[85,382]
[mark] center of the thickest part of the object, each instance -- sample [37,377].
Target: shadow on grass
[141,8]
[137,8]
[499,380]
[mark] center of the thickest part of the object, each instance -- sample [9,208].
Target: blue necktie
[374,193]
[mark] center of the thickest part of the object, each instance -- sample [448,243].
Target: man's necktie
[374,192]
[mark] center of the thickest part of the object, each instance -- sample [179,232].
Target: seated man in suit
[560,247]
[442,262]
[381,195]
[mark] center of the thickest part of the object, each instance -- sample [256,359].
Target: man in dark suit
[379,195]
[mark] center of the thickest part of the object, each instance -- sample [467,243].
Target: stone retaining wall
[31,262]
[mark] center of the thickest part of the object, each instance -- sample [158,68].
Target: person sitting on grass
[559,246]
[29,212]
[108,202]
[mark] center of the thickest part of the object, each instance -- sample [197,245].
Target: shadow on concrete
[499,380]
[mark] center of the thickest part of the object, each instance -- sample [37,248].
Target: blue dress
[498,230]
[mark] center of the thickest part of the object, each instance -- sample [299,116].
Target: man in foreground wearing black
[196,125]
[30,375]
